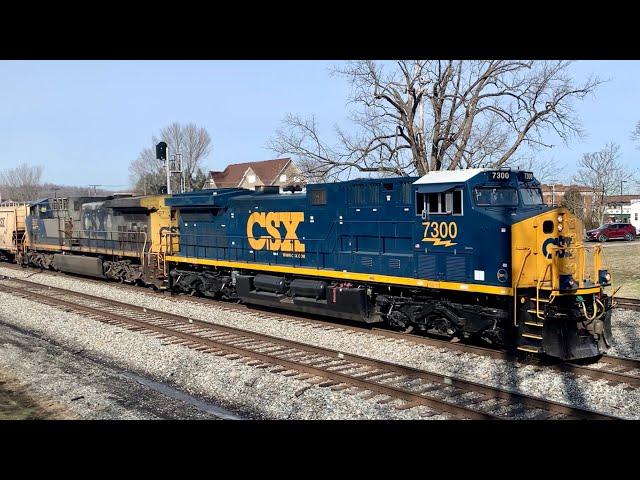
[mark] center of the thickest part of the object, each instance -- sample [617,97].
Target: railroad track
[628,303]
[615,370]
[318,366]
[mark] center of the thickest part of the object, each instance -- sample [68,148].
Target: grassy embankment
[623,261]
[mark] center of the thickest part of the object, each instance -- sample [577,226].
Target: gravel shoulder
[17,402]
[597,395]
[252,393]
[67,384]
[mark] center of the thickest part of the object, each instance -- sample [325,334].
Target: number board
[525,176]
[499,176]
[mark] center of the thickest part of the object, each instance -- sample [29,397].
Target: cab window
[531,196]
[319,197]
[440,203]
[496,196]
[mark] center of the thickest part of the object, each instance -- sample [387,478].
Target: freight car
[467,253]
[12,230]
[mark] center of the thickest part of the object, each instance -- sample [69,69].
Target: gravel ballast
[253,393]
[79,387]
[562,387]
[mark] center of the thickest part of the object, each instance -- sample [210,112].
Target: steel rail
[248,340]
[610,372]
[627,303]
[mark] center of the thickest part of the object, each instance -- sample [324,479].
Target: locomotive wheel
[603,238]
[399,322]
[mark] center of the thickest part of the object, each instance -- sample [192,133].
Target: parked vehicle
[611,231]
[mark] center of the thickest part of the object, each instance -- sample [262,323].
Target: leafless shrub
[21,183]
[148,174]
[605,174]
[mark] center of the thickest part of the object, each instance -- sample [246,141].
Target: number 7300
[441,230]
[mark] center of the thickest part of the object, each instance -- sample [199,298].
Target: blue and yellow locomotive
[465,253]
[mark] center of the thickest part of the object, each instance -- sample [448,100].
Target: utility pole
[168,165]
[621,182]
[601,220]
[57,213]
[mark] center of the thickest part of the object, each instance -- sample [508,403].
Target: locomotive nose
[553,247]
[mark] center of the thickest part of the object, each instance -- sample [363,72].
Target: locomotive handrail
[239,242]
[515,286]
[235,247]
[582,268]
[92,236]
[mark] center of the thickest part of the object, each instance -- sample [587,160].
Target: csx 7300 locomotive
[467,253]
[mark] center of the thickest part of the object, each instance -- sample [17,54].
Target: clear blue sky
[84,121]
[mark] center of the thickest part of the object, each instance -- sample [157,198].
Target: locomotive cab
[488,231]
[560,307]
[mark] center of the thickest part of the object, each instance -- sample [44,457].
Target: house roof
[624,199]
[558,187]
[267,171]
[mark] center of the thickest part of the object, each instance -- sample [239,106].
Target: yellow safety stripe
[580,291]
[365,277]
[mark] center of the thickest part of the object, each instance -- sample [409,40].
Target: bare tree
[546,170]
[21,183]
[604,174]
[573,200]
[635,134]
[414,116]
[147,173]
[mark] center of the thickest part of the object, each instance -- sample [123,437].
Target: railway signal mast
[173,167]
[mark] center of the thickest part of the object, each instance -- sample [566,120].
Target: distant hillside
[54,190]
[48,189]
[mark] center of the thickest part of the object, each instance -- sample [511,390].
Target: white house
[634,214]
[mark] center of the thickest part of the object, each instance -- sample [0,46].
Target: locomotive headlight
[559,227]
[560,218]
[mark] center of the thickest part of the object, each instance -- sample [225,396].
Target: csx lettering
[271,222]
[560,242]
[440,233]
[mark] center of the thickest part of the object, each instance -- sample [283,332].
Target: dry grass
[17,403]
[623,261]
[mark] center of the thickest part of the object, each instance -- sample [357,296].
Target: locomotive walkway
[318,366]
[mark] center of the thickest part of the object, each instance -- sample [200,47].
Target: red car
[611,231]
